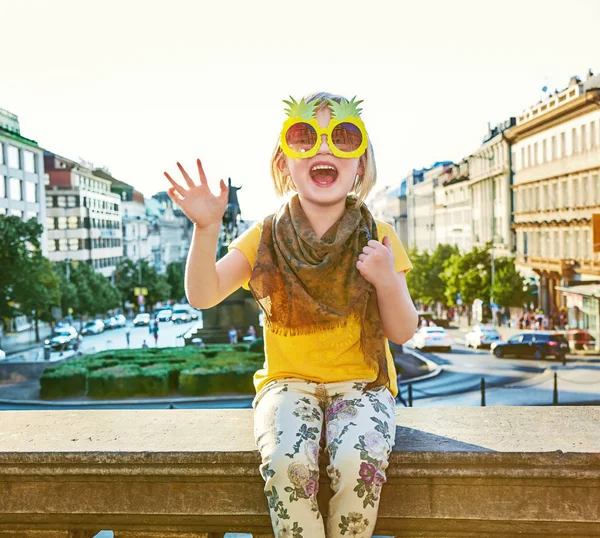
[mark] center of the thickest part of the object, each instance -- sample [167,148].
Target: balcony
[455,472]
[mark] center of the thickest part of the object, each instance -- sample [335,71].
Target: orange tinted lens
[301,137]
[346,137]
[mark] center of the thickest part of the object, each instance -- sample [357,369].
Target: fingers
[386,243]
[187,178]
[176,185]
[224,189]
[175,196]
[201,173]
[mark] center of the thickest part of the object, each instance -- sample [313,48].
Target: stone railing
[455,472]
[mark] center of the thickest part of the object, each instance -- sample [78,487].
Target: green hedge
[63,382]
[154,372]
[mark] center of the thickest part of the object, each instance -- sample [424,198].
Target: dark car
[532,345]
[63,338]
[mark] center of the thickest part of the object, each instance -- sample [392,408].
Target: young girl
[330,280]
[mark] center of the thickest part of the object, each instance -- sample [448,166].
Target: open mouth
[323,173]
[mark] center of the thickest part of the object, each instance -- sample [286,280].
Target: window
[62,245]
[529,161]
[31,215]
[535,154]
[593,134]
[563,145]
[12,157]
[553,148]
[565,194]
[544,151]
[585,190]
[49,201]
[586,244]
[50,223]
[61,201]
[2,186]
[596,184]
[73,244]
[15,189]
[16,213]
[52,245]
[29,161]
[1,153]
[71,201]
[73,223]
[574,142]
[62,223]
[30,191]
[583,138]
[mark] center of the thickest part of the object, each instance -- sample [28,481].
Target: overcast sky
[136,86]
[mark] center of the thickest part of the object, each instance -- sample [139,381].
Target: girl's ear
[282,165]
[362,165]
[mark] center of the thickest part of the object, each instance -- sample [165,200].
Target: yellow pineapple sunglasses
[301,133]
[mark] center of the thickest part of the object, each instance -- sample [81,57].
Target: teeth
[323,167]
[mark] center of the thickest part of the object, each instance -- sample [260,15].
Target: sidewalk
[12,343]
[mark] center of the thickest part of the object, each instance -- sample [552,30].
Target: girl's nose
[324,148]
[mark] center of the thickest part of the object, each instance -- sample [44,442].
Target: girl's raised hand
[199,204]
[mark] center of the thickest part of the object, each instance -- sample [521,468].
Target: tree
[469,275]
[38,289]
[175,278]
[510,288]
[20,240]
[425,281]
[127,279]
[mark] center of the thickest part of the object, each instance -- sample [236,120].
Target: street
[531,382]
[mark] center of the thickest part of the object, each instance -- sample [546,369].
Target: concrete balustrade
[455,472]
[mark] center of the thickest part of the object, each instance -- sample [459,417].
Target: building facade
[83,216]
[556,159]
[389,205]
[135,222]
[421,205]
[22,176]
[490,169]
[452,207]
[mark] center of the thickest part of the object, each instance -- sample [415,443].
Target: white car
[482,336]
[164,315]
[93,326]
[432,337]
[121,320]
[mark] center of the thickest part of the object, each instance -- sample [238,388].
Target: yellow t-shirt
[325,356]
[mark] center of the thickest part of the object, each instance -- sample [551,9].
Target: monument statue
[232,216]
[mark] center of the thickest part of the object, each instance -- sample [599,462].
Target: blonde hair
[362,185]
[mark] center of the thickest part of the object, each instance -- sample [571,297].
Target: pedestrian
[233,335]
[145,344]
[331,282]
[251,333]
[128,336]
[155,333]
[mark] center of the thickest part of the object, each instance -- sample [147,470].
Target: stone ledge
[455,472]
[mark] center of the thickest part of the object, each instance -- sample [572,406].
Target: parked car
[141,319]
[110,323]
[432,337]
[164,315]
[93,326]
[180,315]
[482,336]
[121,320]
[193,314]
[536,345]
[63,338]
[2,355]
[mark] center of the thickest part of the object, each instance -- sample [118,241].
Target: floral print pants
[293,419]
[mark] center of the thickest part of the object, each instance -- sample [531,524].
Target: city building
[420,205]
[452,207]
[83,215]
[556,191]
[490,184]
[135,222]
[22,175]
[388,204]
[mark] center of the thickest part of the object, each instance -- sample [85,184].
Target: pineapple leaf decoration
[301,110]
[345,109]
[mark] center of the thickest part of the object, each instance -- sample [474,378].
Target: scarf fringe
[281,330]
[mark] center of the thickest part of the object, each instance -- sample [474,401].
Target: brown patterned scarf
[305,284]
